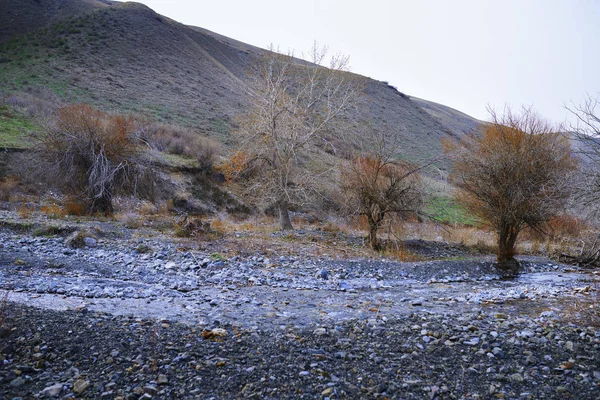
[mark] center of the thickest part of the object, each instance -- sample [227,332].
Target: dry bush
[25,210]
[8,187]
[53,210]
[181,141]
[514,175]
[74,206]
[147,208]
[129,219]
[94,153]
[187,226]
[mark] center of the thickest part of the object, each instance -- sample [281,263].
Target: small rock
[17,382]
[417,302]
[320,331]
[518,378]
[90,242]
[327,391]
[323,274]
[81,385]
[162,379]
[52,391]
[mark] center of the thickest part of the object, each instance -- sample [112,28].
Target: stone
[518,378]
[17,382]
[80,386]
[90,242]
[162,379]
[52,391]
[320,332]
[4,332]
[472,341]
[417,302]
[323,274]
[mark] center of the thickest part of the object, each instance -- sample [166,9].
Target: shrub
[94,152]
[514,175]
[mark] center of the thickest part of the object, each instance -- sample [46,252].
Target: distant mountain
[126,57]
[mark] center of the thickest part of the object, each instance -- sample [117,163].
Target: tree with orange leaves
[513,175]
[377,184]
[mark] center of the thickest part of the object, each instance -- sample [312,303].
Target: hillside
[22,16]
[125,57]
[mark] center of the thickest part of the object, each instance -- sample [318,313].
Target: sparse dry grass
[584,309]
[53,210]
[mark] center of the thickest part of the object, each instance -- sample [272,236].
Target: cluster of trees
[517,172]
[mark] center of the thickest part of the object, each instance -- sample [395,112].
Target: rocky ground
[136,314]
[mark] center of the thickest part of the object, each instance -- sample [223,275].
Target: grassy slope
[14,128]
[127,58]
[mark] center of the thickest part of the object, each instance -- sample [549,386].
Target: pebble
[52,391]
[80,386]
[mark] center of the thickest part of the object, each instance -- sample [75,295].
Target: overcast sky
[465,54]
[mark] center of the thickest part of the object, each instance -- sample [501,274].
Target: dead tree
[293,104]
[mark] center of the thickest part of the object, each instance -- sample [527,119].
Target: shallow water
[271,307]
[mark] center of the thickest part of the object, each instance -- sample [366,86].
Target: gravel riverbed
[132,316]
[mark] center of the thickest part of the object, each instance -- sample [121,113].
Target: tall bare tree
[514,175]
[586,129]
[293,105]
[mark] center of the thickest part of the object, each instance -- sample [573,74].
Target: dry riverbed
[139,315]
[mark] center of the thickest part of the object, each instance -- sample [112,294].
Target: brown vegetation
[376,187]
[514,175]
[92,152]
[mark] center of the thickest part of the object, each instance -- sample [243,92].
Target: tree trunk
[102,205]
[506,261]
[373,237]
[285,223]
[374,220]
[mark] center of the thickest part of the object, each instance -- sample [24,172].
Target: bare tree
[92,153]
[586,130]
[293,105]
[514,175]
[377,184]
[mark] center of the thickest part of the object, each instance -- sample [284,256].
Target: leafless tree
[294,104]
[91,152]
[514,175]
[586,130]
[376,184]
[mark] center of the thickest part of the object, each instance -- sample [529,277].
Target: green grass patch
[14,129]
[447,211]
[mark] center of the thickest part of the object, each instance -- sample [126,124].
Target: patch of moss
[14,129]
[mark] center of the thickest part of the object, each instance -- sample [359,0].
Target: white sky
[465,54]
